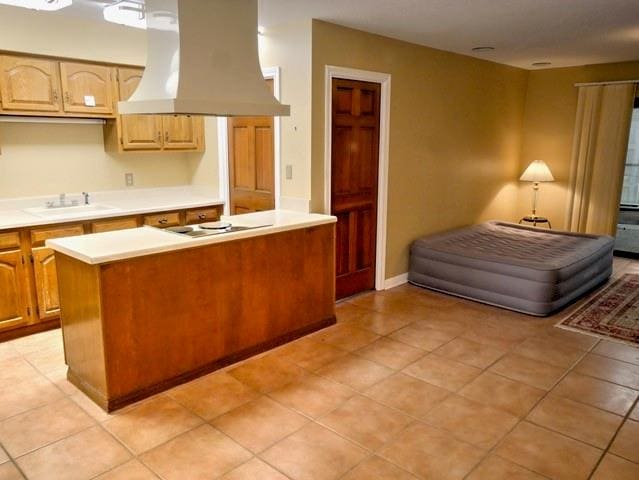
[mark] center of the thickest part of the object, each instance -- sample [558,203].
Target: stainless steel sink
[69,212]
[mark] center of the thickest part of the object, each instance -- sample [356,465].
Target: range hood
[202,58]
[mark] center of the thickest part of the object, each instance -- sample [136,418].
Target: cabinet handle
[162,221]
[166,136]
[67,98]
[202,216]
[159,136]
[55,95]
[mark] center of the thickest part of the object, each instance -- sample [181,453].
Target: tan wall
[454,134]
[549,122]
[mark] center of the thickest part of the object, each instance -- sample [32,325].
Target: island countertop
[99,248]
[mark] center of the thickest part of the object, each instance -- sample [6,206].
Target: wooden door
[181,132]
[87,88]
[251,163]
[354,170]
[13,293]
[46,283]
[29,84]
[139,132]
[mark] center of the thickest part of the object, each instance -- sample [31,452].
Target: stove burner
[215,225]
[182,229]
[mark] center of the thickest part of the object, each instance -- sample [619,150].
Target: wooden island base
[135,327]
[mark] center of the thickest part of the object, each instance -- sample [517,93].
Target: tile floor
[409,384]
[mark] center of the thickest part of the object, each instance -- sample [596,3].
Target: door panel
[29,84]
[354,172]
[87,88]
[13,297]
[139,132]
[46,283]
[251,163]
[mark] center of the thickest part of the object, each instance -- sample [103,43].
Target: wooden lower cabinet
[29,296]
[46,283]
[13,290]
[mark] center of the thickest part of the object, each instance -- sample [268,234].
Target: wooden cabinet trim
[114,224]
[39,236]
[162,220]
[202,215]
[9,240]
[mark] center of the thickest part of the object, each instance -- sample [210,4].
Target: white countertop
[132,201]
[106,247]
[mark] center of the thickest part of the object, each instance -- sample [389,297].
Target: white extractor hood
[202,58]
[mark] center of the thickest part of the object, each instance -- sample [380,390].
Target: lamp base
[535,219]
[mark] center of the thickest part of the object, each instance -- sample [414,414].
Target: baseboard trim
[396,281]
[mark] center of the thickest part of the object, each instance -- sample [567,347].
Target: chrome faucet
[86,197]
[63,202]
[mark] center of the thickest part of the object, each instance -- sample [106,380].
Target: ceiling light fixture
[126,12]
[48,5]
[483,49]
[541,64]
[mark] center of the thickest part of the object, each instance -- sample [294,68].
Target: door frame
[223,147]
[384,79]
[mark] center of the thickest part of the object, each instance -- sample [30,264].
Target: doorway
[251,163]
[355,127]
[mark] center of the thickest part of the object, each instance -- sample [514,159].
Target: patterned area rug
[612,313]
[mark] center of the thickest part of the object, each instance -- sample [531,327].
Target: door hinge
[31,258]
[23,261]
[28,311]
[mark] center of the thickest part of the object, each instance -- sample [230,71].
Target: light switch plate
[289,172]
[128,179]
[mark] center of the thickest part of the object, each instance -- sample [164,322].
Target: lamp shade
[537,171]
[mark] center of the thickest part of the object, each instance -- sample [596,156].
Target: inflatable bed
[520,268]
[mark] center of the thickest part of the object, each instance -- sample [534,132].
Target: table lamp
[536,172]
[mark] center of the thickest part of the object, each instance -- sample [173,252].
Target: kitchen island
[145,309]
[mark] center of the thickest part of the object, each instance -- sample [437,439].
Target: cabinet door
[13,293]
[182,132]
[139,132]
[46,283]
[29,84]
[87,88]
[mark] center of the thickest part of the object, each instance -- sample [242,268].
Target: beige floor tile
[213,395]
[38,427]
[3,456]
[471,422]
[615,468]
[81,456]
[500,392]
[25,395]
[346,311]
[425,338]
[199,453]
[380,323]
[267,373]
[408,394]
[16,370]
[38,341]
[618,351]
[451,320]
[150,423]
[626,443]
[8,351]
[346,337]
[47,359]
[469,352]
[59,378]
[314,452]
[614,371]
[254,469]
[495,334]
[310,354]
[526,370]
[553,353]
[570,339]
[376,468]
[635,412]
[497,468]
[390,353]
[259,424]
[355,372]
[576,420]
[90,407]
[8,471]
[131,470]
[442,372]
[366,422]
[432,454]
[548,453]
[313,395]
[598,393]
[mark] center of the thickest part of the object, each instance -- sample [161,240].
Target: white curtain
[599,152]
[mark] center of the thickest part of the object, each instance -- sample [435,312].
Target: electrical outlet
[128,179]
[289,172]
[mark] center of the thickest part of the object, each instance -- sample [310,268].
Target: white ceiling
[564,32]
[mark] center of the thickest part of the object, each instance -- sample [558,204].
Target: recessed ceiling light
[126,12]
[541,64]
[483,49]
[50,5]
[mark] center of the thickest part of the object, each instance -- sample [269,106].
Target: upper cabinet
[137,132]
[87,88]
[29,84]
[182,132]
